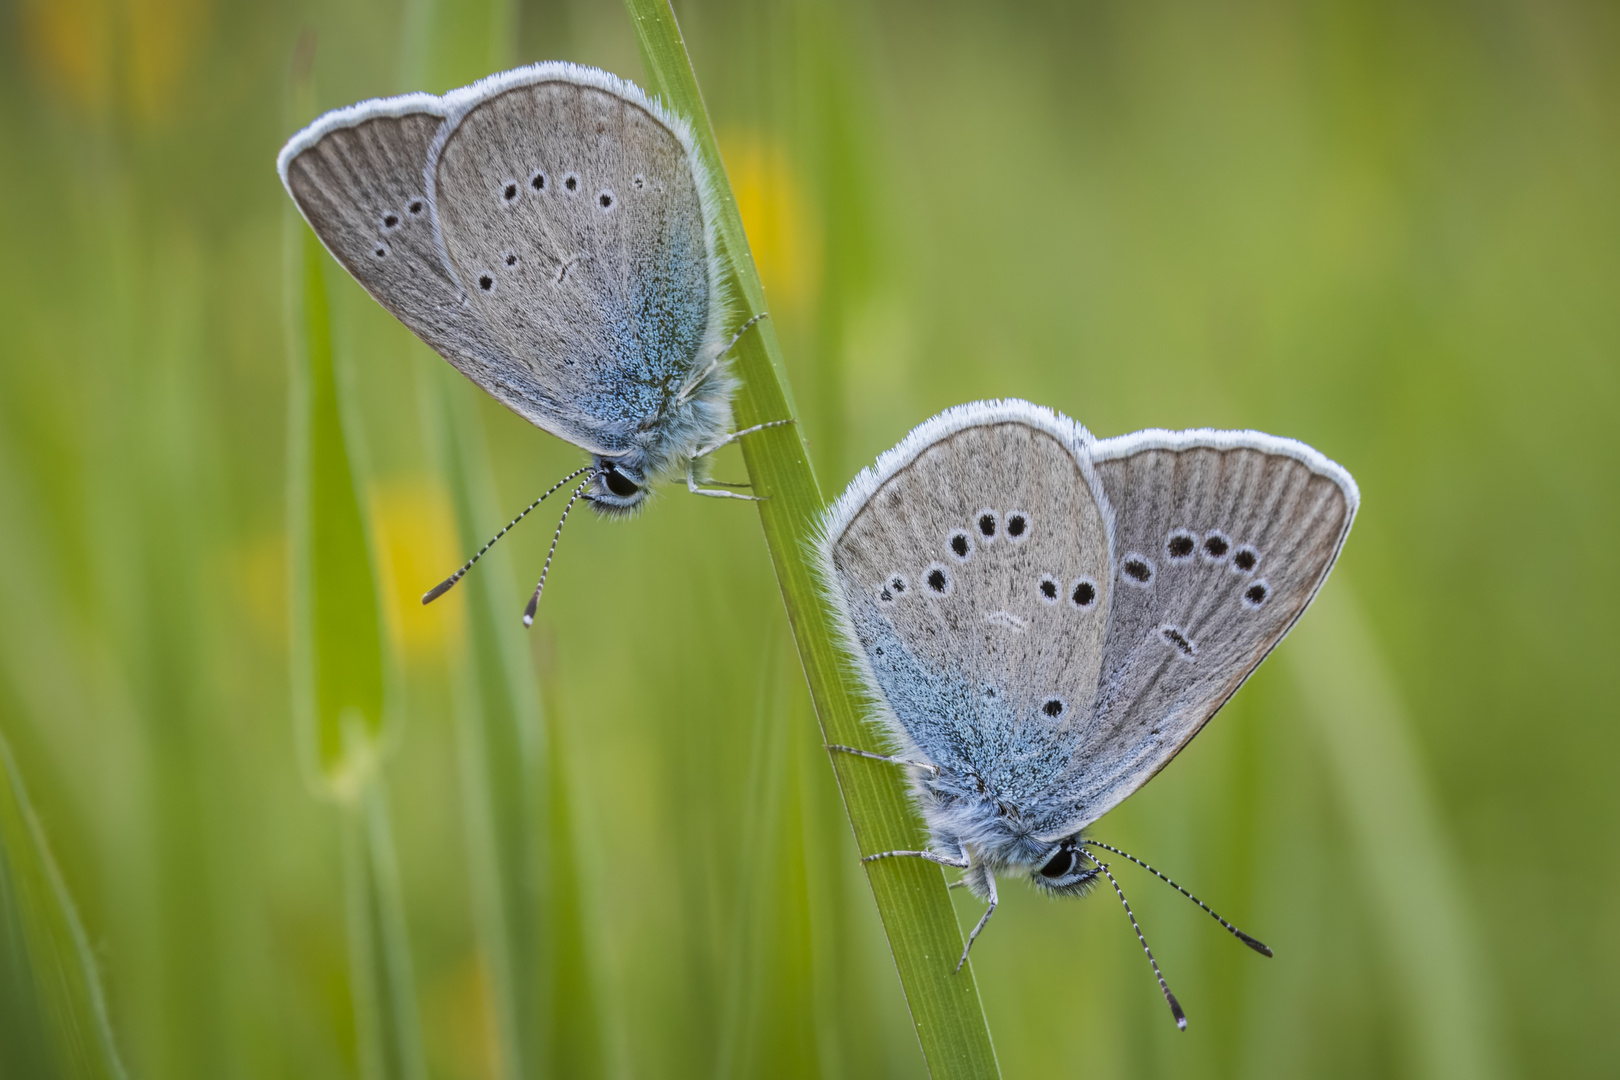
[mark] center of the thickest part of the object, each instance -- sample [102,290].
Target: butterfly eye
[987,524]
[1049,590]
[1017,525]
[1256,594]
[1245,559]
[960,545]
[1060,865]
[620,484]
[1216,546]
[1181,544]
[938,580]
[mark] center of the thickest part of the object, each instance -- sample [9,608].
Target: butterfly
[1043,619]
[550,231]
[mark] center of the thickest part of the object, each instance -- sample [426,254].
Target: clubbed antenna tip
[440,589]
[1254,943]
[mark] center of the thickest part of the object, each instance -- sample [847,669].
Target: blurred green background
[1391,230]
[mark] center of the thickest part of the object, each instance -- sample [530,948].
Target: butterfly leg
[990,879]
[924,765]
[697,380]
[960,862]
[735,435]
[691,467]
[713,493]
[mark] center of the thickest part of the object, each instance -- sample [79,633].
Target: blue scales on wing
[574,224]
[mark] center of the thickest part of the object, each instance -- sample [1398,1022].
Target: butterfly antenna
[448,583]
[1175,1006]
[534,601]
[1254,943]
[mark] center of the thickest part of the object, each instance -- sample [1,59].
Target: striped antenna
[1254,943]
[1170,999]
[534,601]
[448,583]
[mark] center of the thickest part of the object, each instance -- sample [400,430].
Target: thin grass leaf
[911,896]
[1407,861]
[337,629]
[522,879]
[527,916]
[53,1016]
[389,1034]
[340,678]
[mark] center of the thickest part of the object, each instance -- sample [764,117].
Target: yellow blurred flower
[416,550]
[776,217]
[93,52]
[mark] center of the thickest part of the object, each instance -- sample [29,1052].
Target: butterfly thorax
[663,446]
[965,815]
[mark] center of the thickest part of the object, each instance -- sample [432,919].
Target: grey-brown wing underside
[361,187]
[1221,541]
[961,573]
[574,222]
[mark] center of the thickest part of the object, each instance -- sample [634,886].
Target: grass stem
[911,897]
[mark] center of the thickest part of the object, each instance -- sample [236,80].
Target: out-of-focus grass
[1388,230]
[53,1015]
[339,671]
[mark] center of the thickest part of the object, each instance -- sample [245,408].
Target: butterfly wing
[572,212]
[939,554]
[1222,539]
[357,176]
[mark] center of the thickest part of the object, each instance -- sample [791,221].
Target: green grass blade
[527,915]
[503,750]
[337,654]
[53,1017]
[339,678]
[1406,859]
[911,896]
[388,1032]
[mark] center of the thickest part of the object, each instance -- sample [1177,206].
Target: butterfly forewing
[972,556]
[1221,541]
[574,223]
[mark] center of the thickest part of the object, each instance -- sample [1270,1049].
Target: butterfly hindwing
[1221,541]
[357,177]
